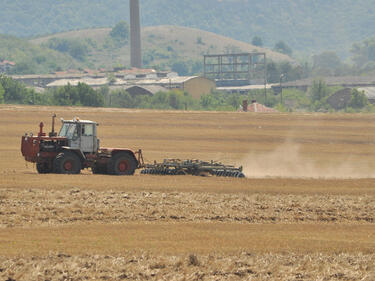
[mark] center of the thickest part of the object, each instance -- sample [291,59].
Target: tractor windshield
[68,130]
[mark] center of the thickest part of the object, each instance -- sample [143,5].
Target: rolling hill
[31,58]
[306,26]
[162,45]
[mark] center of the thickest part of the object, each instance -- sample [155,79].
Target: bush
[283,48]
[257,41]
[75,48]
[358,99]
[318,90]
[1,94]
[294,99]
[120,32]
[181,68]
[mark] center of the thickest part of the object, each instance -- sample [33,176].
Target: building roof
[7,62]
[340,99]
[137,71]
[334,81]
[165,81]
[245,88]
[152,89]
[61,75]
[74,82]
[369,92]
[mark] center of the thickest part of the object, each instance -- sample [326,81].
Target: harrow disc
[192,167]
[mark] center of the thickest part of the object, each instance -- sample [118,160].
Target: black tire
[67,162]
[43,168]
[241,175]
[122,164]
[99,169]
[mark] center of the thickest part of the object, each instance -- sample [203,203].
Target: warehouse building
[138,90]
[195,85]
[148,81]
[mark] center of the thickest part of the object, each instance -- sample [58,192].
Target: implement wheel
[67,163]
[122,164]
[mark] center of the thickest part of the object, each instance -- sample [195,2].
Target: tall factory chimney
[135,35]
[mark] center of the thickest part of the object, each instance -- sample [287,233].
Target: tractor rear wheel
[43,168]
[67,162]
[122,164]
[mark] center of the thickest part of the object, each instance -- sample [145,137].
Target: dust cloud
[287,161]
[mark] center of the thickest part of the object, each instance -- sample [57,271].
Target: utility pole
[281,89]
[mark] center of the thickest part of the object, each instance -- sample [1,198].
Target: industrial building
[195,85]
[139,84]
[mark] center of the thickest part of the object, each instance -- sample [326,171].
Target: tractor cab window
[69,130]
[87,130]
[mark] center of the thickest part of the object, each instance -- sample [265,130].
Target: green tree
[120,31]
[358,99]
[363,53]
[283,48]
[88,96]
[2,91]
[318,90]
[197,67]
[273,73]
[326,63]
[200,41]
[173,100]
[82,94]
[257,41]
[181,68]
[121,98]
[76,48]
[24,67]
[14,91]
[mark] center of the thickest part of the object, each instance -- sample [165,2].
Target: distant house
[256,107]
[6,66]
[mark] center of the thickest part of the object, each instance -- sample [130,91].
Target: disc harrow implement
[192,167]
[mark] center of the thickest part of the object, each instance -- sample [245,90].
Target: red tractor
[76,147]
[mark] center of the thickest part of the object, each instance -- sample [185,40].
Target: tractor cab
[81,135]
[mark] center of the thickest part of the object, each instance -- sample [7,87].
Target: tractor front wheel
[122,164]
[67,162]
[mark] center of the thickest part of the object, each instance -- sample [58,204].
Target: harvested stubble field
[305,212]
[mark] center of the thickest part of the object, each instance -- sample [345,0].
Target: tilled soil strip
[38,207]
[144,266]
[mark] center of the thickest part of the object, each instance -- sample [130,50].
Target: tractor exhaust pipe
[52,133]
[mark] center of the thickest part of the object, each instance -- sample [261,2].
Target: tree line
[315,99]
